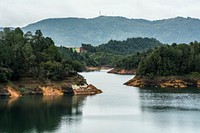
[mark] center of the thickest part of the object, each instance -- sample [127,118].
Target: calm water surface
[119,109]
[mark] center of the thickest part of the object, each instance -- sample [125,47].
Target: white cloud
[22,12]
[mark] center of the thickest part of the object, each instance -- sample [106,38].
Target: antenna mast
[100,13]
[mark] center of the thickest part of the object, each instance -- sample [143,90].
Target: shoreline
[122,71]
[164,82]
[99,68]
[31,86]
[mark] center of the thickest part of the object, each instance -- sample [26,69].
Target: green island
[173,65]
[31,64]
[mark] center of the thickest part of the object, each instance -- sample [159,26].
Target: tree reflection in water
[39,113]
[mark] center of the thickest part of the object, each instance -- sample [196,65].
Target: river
[119,109]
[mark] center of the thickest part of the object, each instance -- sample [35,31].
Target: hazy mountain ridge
[74,31]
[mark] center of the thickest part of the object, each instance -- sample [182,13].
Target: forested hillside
[129,46]
[99,30]
[32,55]
[113,51]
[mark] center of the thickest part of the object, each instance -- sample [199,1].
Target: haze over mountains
[95,31]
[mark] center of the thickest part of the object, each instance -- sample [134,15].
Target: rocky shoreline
[90,69]
[122,71]
[99,68]
[163,82]
[75,85]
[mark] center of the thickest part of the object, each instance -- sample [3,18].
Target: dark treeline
[126,47]
[32,55]
[114,51]
[129,46]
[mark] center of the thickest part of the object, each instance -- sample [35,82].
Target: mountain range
[99,30]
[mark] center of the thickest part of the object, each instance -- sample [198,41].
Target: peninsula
[31,64]
[169,66]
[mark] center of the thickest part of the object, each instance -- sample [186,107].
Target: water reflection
[163,99]
[38,113]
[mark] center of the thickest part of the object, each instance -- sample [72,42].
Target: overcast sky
[23,12]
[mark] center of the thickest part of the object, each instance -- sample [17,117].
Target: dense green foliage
[84,58]
[114,52]
[132,61]
[105,58]
[28,55]
[74,31]
[172,60]
[129,46]
[90,58]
